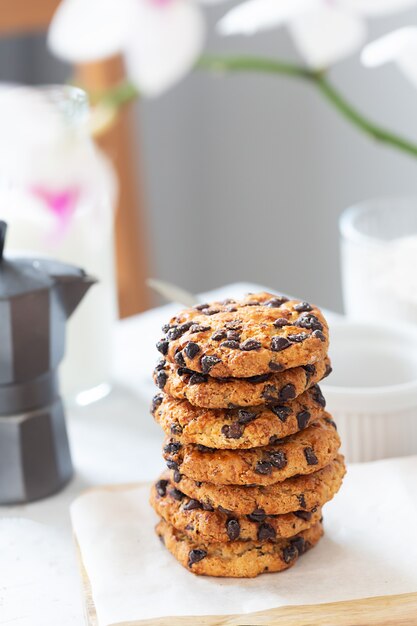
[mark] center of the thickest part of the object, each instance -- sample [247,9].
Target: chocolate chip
[197,379]
[171,464]
[232,431]
[172,447]
[289,553]
[161,487]
[156,401]
[328,371]
[301,499]
[160,365]
[309,321]
[191,505]
[223,510]
[302,306]
[319,335]
[194,556]
[233,325]
[331,422]
[176,476]
[207,506]
[161,379]
[219,335]
[165,328]
[258,515]
[266,532]
[245,417]
[251,304]
[282,412]
[299,544]
[287,392]
[175,332]
[210,311]
[270,393]
[263,467]
[179,359]
[275,367]
[200,307]
[310,370]
[302,419]
[260,378]
[318,396]
[233,529]
[278,459]
[162,346]
[176,429]
[276,302]
[279,343]
[185,371]
[250,344]
[281,322]
[208,362]
[202,448]
[176,494]
[310,456]
[274,440]
[199,328]
[191,349]
[304,515]
[233,345]
[298,338]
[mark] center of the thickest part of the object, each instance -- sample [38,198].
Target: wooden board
[395,610]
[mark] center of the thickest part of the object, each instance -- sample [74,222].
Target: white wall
[247,175]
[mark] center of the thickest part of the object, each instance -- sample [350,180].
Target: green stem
[120,94]
[320,81]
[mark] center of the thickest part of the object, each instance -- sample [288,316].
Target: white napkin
[369,549]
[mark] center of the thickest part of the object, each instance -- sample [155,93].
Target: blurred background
[244,177]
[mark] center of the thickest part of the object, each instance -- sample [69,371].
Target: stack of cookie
[252,454]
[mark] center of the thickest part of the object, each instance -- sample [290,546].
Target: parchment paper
[369,549]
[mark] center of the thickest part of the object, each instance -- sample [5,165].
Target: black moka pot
[37,296]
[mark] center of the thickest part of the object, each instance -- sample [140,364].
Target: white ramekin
[372,392]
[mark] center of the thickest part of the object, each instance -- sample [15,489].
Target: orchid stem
[320,81]
[121,94]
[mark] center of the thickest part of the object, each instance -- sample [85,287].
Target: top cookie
[242,338]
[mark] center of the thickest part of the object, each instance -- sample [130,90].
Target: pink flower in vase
[61,202]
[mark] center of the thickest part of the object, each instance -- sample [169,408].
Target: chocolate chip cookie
[303,453]
[298,492]
[237,428]
[259,334]
[216,393]
[238,559]
[217,526]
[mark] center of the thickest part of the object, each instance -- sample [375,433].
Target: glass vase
[57,193]
[379,260]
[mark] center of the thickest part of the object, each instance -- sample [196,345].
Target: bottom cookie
[239,559]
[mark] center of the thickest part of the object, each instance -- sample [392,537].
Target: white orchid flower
[160,39]
[399,46]
[324,31]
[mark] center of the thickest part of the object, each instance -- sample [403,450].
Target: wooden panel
[25,15]
[118,143]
